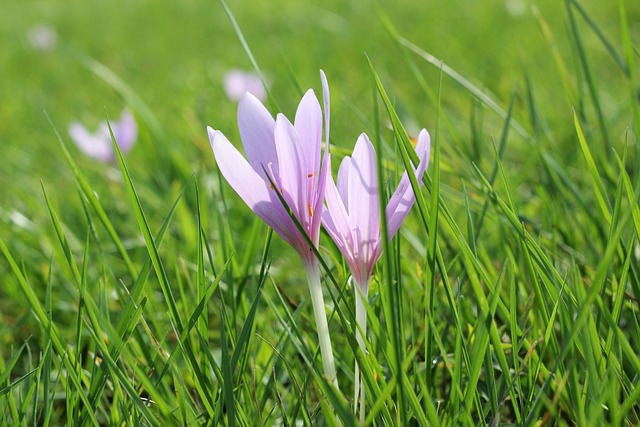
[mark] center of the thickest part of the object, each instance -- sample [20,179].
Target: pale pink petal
[317,196]
[125,131]
[336,213]
[274,215]
[257,132]
[97,146]
[236,170]
[342,241]
[343,180]
[403,198]
[327,103]
[364,211]
[252,188]
[331,228]
[308,125]
[292,178]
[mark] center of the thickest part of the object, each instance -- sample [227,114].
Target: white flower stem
[361,291]
[315,288]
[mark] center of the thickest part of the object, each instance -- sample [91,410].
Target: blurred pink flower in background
[238,82]
[98,144]
[42,37]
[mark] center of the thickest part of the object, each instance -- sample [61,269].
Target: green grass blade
[94,202]
[43,318]
[591,84]
[247,49]
[598,186]
[148,238]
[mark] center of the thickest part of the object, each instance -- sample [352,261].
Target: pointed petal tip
[423,148]
[325,84]
[211,132]
[214,136]
[364,142]
[249,97]
[326,98]
[250,104]
[280,117]
[424,137]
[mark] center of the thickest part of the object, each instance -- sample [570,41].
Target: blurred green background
[174,56]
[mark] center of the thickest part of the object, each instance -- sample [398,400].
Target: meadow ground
[146,292]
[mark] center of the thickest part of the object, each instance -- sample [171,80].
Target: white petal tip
[214,135]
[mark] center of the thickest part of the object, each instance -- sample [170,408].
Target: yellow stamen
[310,210]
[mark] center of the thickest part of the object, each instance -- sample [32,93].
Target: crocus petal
[237,171]
[317,196]
[293,177]
[257,132]
[335,215]
[403,198]
[331,228]
[125,131]
[287,155]
[251,187]
[343,180]
[98,147]
[341,240]
[327,102]
[364,212]
[308,125]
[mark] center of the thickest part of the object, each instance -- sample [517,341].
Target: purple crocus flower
[98,144]
[287,154]
[238,82]
[352,219]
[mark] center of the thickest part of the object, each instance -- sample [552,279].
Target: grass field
[145,292]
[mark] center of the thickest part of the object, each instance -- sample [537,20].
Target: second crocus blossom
[352,219]
[284,157]
[98,144]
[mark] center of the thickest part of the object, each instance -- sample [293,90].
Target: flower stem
[361,291]
[317,300]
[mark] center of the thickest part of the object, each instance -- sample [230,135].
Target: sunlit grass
[143,291]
